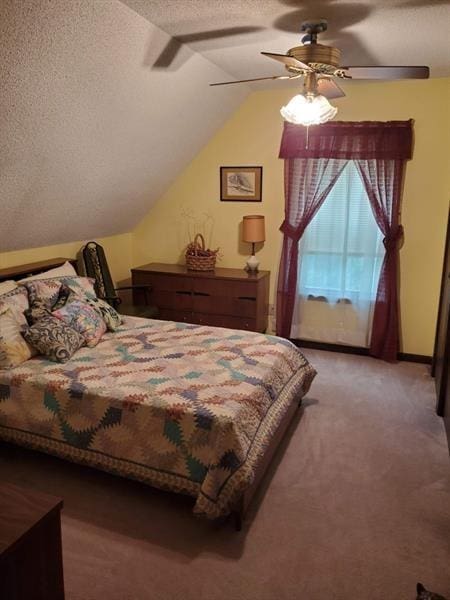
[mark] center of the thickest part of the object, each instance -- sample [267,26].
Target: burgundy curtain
[348,140]
[383,182]
[307,184]
[314,160]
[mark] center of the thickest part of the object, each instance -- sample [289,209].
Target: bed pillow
[44,290]
[65,270]
[14,350]
[110,316]
[53,338]
[17,301]
[83,318]
[38,309]
[65,295]
[7,286]
[82,286]
[49,290]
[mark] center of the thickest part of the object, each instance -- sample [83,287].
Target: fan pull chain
[307,138]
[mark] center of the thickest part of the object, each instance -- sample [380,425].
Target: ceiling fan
[319,65]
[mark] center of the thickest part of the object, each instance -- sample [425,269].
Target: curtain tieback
[295,233]
[391,241]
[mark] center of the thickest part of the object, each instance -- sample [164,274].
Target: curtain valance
[349,140]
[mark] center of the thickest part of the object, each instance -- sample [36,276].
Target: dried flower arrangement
[198,257]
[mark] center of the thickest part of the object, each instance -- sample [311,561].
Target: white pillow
[65,270]
[7,286]
[13,348]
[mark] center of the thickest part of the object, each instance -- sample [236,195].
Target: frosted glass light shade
[308,110]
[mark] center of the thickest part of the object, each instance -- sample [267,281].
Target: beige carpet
[356,507]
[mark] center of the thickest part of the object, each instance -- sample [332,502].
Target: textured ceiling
[101,107]
[91,135]
[375,32]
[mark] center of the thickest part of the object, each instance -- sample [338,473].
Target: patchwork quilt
[182,407]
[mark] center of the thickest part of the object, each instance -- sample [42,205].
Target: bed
[188,408]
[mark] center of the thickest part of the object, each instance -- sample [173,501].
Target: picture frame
[241,184]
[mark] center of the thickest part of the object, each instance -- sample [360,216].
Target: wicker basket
[198,258]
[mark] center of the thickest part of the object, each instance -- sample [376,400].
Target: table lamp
[253,231]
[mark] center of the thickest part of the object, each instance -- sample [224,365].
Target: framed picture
[241,184]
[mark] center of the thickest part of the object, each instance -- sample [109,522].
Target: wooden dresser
[31,565]
[223,297]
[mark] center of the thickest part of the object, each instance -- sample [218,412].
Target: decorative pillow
[65,270]
[64,294]
[53,338]
[13,348]
[38,309]
[45,290]
[7,286]
[83,318]
[50,289]
[17,301]
[82,286]
[110,316]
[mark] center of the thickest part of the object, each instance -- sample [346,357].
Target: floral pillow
[110,316]
[17,301]
[65,295]
[53,338]
[38,309]
[83,318]
[46,290]
[50,289]
[82,286]
[14,350]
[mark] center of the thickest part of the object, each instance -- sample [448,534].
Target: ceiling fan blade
[387,72]
[329,88]
[287,60]
[256,79]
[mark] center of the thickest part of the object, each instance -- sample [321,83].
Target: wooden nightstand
[30,545]
[223,297]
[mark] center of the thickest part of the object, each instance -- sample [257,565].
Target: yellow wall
[117,248]
[252,137]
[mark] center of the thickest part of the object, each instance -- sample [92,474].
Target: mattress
[182,407]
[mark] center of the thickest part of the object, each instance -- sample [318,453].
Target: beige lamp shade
[253,229]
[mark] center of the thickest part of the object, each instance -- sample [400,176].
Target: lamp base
[252,264]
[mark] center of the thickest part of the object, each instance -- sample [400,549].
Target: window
[340,258]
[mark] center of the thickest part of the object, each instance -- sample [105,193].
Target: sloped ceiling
[91,135]
[103,102]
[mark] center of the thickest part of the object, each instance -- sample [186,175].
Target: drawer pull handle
[201,294]
[251,298]
[183,293]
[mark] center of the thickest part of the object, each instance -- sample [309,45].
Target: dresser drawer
[226,321]
[184,316]
[165,283]
[223,297]
[221,287]
[176,300]
[181,316]
[224,305]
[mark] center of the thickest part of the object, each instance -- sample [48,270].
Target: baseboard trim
[417,358]
[330,347]
[403,356]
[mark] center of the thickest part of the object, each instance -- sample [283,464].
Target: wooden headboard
[22,271]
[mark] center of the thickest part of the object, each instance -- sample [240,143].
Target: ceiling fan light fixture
[308,109]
